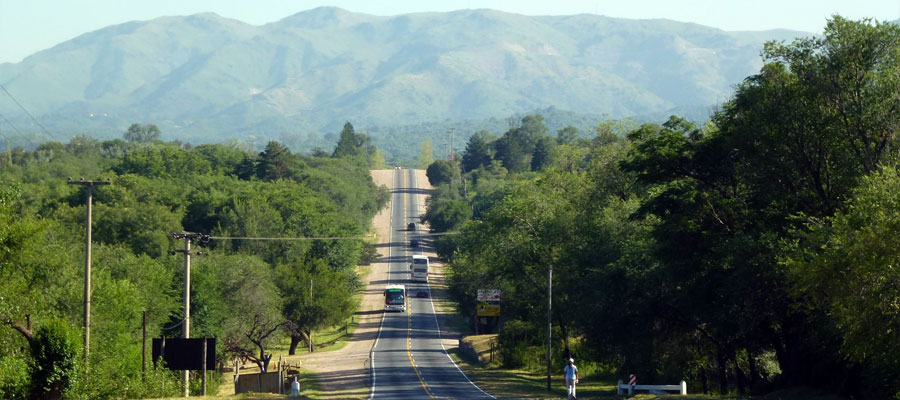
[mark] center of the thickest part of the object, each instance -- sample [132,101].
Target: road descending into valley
[408,359]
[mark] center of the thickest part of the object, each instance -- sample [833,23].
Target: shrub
[54,352]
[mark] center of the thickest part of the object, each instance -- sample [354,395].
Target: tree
[163,160]
[315,296]
[254,308]
[378,160]
[543,153]
[82,145]
[846,265]
[478,151]
[516,147]
[426,157]
[442,172]
[276,162]
[447,215]
[224,159]
[566,135]
[142,133]
[352,144]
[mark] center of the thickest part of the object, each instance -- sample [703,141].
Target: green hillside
[207,78]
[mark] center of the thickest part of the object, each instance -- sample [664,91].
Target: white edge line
[390,254]
[441,341]
[436,323]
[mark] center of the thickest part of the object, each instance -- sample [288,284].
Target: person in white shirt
[571,378]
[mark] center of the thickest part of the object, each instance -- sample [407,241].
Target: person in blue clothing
[571,378]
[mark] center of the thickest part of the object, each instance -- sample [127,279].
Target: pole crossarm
[88,183]
[192,235]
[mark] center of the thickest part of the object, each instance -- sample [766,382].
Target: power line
[27,113]
[315,238]
[287,238]
[10,124]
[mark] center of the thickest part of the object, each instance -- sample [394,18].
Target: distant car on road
[414,243]
[411,226]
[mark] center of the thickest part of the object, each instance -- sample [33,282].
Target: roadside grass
[450,316]
[310,388]
[511,383]
[327,339]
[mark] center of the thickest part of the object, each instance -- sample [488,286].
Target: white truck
[418,269]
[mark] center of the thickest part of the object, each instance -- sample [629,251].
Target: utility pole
[186,324]
[549,324]
[87,261]
[450,152]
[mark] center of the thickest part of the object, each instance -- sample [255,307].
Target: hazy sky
[28,26]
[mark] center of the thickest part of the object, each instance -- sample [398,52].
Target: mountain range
[203,77]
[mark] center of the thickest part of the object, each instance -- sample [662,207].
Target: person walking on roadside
[571,379]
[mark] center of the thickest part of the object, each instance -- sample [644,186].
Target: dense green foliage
[244,291]
[752,253]
[54,354]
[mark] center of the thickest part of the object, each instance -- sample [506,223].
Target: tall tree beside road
[847,265]
[515,149]
[353,145]
[478,151]
[254,304]
[426,156]
[315,296]
[442,172]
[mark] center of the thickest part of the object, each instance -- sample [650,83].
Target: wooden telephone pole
[87,260]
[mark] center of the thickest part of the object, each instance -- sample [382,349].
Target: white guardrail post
[626,389]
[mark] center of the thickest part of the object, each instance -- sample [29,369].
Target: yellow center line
[409,353]
[409,328]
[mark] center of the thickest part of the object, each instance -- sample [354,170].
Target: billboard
[491,295]
[487,310]
[185,354]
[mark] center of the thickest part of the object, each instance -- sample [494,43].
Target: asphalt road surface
[408,359]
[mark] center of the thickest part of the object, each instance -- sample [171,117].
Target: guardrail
[624,388]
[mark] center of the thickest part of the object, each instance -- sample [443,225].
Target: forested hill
[205,77]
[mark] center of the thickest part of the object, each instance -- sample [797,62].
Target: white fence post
[619,388]
[683,388]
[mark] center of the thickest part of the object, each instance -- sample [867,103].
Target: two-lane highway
[408,359]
